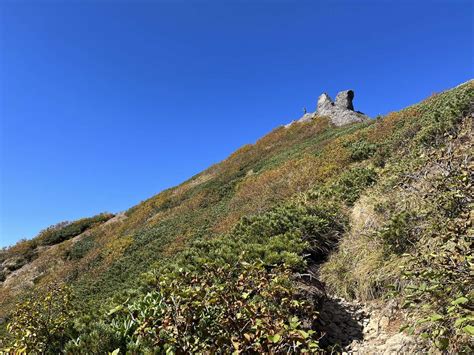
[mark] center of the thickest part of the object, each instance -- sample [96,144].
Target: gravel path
[356,328]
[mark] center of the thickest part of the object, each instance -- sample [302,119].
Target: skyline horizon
[217,162]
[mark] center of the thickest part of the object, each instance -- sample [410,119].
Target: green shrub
[42,323]
[95,338]
[440,294]
[231,292]
[362,150]
[353,182]
[225,309]
[81,248]
[283,235]
[396,234]
[65,231]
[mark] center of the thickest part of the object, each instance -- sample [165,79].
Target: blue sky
[105,103]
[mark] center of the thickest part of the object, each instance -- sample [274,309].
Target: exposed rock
[344,99]
[353,327]
[341,322]
[119,217]
[306,117]
[324,102]
[340,112]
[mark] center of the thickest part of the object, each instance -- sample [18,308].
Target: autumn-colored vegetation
[385,207]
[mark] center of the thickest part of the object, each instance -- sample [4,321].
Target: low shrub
[65,231]
[226,309]
[234,292]
[80,248]
[362,150]
[440,294]
[353,182]
[42,324]
[396,234]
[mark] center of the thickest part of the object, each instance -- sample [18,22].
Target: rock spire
[340,112]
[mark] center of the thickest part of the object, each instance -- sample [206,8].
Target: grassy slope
[108,260]
[251,180]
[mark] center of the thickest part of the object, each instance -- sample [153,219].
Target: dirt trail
[365,329]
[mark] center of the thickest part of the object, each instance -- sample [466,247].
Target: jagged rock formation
[344,99]
[341,112]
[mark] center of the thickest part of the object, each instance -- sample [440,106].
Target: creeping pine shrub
[362,150]
[65,231]
[96,337]
[396,234]
[282,235]
[80,249]
[225,309]
[315,229]
[232,293]
[353,182]
[42,324]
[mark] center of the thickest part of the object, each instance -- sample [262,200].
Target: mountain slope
[370,194]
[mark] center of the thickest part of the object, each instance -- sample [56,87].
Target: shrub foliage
[42,324]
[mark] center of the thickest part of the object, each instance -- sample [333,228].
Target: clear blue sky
[105,103]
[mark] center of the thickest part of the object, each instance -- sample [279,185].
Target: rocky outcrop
[340,112]
[344,99]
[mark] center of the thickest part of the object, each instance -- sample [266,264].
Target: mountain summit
[340,112]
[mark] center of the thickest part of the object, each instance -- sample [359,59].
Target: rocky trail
[365,328]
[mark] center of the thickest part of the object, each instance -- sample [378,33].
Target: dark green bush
[67,231]
[81,248]
[282,235]
[353,182]
[397,235]
[96,338]
[362,150]
[222,309]
[228,293]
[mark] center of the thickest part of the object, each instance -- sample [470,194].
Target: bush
[396,234]
[353,182]
[96,338]
[230,308]
[283,235]
[65,231]
[440,292]
[80,248]
[42,324]
[362,150]
[234,292]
